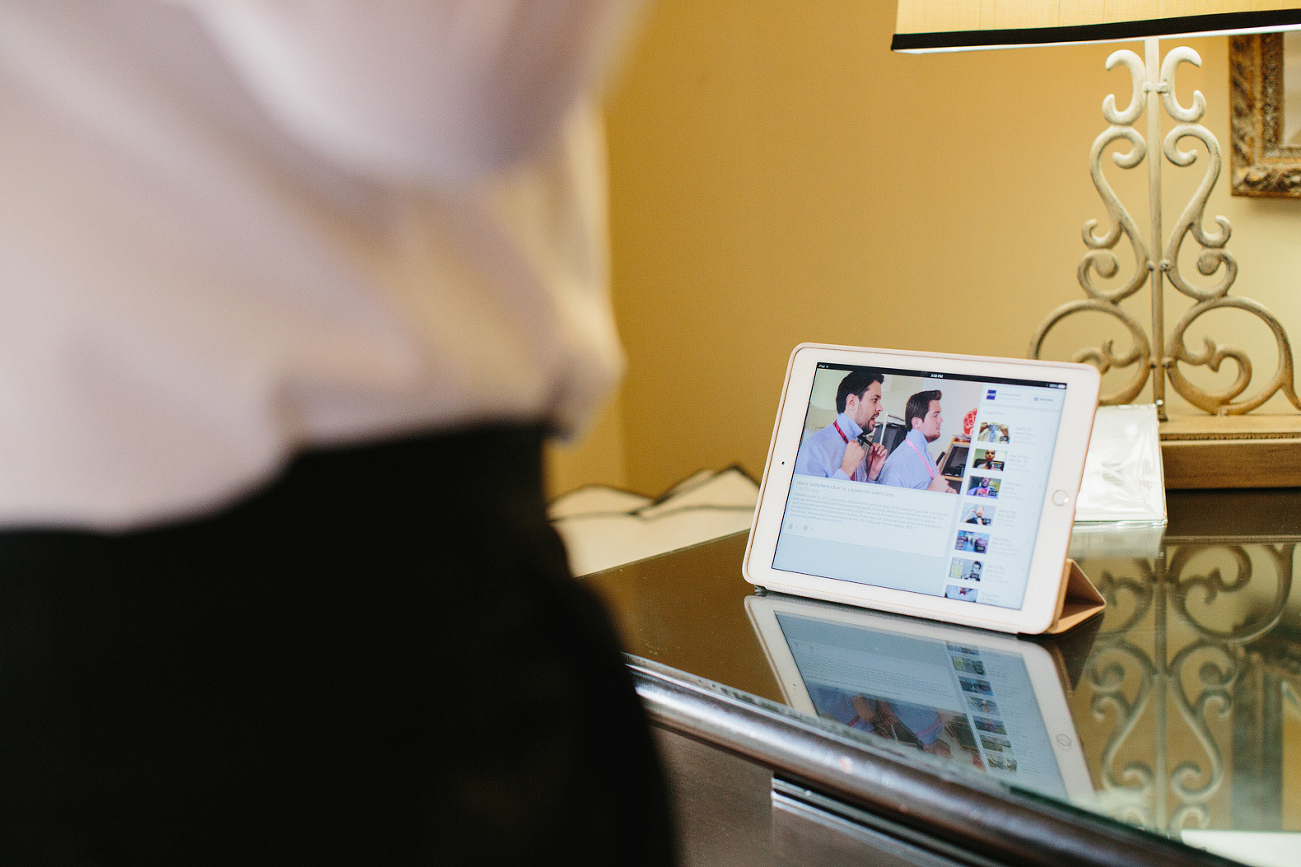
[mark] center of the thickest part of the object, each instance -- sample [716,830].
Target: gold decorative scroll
[1099,267]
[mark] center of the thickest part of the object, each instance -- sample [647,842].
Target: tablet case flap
[1077,600]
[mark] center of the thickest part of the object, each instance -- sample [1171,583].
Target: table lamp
[953,25]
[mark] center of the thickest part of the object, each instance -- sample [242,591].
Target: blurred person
[292,293]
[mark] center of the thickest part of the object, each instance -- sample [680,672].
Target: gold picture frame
[1262,164]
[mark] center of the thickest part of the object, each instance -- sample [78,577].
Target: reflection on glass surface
[1188,707]
[976,699]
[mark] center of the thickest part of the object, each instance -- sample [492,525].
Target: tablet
[974,698]
[982,543]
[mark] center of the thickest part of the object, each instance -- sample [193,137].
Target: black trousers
[380,659]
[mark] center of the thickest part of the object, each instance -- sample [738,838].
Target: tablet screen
[953,511]
[953,699]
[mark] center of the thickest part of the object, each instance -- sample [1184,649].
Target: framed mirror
[1265,124]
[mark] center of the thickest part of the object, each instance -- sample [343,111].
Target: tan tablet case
[1077,600]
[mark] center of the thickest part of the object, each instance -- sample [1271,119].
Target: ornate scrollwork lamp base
[1154,89]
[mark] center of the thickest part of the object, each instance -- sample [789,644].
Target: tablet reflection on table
[977,699]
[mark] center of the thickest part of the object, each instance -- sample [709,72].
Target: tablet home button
[1060,498]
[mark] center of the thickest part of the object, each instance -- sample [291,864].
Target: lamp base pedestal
[1237,451]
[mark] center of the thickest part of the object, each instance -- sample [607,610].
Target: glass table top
[1184,697]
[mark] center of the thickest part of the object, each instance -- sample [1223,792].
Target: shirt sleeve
[419,91]
[816,458]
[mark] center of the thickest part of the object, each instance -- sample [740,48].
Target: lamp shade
[957,25]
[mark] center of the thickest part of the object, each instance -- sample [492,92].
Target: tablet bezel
[1045,679]
[1039,603]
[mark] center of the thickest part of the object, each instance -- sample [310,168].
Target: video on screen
[961,593]
[965,570]
[901,431]
[970,540]
[888,480]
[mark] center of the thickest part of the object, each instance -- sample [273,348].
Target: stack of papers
[1122,473]
[1121,507]
[605,527]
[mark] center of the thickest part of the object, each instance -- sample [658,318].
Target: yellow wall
[595,459]
[779,176]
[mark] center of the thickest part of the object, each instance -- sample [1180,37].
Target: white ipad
[940,486]
[975,698]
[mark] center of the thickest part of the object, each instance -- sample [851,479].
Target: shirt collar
[848,425]
[917,438]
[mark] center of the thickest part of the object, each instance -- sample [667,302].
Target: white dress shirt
[232,228]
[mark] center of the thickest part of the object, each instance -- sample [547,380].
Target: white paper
[603,527]
[1123,480]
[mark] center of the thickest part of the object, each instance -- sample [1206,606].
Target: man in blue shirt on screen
[910,465]
[834,452]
